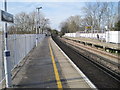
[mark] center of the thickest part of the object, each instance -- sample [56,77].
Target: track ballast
[98,76]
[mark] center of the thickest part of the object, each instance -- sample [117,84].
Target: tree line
[25,23]
[97,15]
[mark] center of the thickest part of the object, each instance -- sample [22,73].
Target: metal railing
[1,57]
[19,45]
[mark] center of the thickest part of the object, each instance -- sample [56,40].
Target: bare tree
[100,14]
[32,21]
[22,22]
[72,24]
[64,27]
[26,23]
[44,24]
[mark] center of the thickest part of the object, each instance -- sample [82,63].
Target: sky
[55,10]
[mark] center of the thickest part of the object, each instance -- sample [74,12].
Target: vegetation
[0,32]
[72,24]
[117,26]
[54,32]
[26,23]
[97,15]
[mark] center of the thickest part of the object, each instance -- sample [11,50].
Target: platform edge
[79,71]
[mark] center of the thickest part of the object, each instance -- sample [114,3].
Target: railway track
[97,74]
[112,56]
[107,60]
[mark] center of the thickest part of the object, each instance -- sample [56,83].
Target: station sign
[88,27]
[6,17]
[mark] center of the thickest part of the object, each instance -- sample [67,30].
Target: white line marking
[79,71]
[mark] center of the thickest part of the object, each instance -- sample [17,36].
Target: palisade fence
[1,57]
[19,45]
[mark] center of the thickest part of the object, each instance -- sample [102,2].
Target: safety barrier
[19,45]
[1,57]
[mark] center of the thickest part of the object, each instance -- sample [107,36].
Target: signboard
[6,17]
[88,27]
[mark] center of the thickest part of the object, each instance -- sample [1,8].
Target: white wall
[87,35]
[113,36]
[109,36]
[70,34]
[91,35]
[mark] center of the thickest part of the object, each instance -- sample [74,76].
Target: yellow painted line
[59,84]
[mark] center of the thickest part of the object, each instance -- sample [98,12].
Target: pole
[39,21]
[36,28]
[7,55]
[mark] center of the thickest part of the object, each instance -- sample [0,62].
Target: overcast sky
[56,10]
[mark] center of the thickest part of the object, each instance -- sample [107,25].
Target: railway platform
[96,43]
[47,66]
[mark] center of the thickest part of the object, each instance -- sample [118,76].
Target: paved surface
[38,71]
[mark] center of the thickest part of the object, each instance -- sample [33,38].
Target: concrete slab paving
[38,71]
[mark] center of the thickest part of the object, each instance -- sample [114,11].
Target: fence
[1,58]
[19,46]
[87,35]
[91,35]
[109,36]
[113,36]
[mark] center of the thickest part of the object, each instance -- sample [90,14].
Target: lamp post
[6,54]
[37,23]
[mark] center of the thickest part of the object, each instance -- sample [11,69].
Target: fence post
[15,57]
[25,45]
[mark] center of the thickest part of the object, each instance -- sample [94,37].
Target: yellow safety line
[59,84]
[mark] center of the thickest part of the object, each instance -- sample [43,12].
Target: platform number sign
[87,27]
[6,17]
